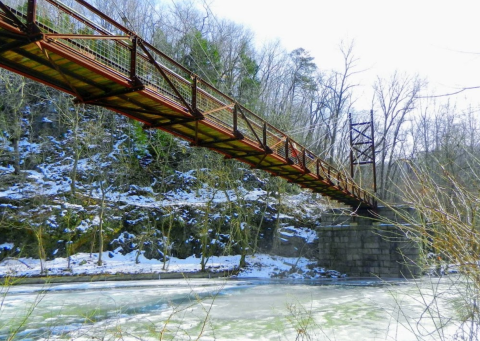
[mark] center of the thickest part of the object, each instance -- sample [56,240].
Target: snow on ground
[52,179]
[267,266]
[6,246]
[6,170]
[37,183]
[259,266]
[291,231]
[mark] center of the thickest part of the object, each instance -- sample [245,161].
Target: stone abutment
[362,245]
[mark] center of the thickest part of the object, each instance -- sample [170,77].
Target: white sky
[437,39]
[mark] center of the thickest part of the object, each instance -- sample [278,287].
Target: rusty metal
[243,155]
[31,16]
[101,15]
[8,12]
[117,93]
[143,111]
[59,70]
[175,122]
[133,63]
[235,120]
[84,36]
[195,111]
[287,147]
[164,75]
[216,142]
[362,147]
[240,108]
[374,162]
[264,136]
[205,113]
[13,45]
[304,159]
[277,165]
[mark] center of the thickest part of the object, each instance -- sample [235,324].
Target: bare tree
[12,106]
[339,101]
[395,99]
[70,117]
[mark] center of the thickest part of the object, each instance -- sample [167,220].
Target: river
[221,309]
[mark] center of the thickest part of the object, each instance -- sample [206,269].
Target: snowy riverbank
[259,266]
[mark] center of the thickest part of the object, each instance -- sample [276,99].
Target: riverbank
[112,277]
[84,268]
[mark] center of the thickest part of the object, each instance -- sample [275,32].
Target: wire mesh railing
[95,36]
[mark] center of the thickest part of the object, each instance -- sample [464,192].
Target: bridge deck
[71,50]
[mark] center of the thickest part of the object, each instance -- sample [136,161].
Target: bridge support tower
[364,246]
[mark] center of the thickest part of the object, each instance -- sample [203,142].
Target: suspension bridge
[86,53]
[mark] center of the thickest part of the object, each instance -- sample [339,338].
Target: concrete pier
[361,245]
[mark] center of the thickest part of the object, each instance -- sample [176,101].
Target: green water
[224,310]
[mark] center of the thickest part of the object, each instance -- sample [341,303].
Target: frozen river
[220,310]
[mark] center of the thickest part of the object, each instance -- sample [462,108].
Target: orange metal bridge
[87,54]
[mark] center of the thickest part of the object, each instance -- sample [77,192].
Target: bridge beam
[91,100]
[214,143]
[364,245]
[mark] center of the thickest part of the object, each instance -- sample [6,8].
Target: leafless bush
[446,226]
